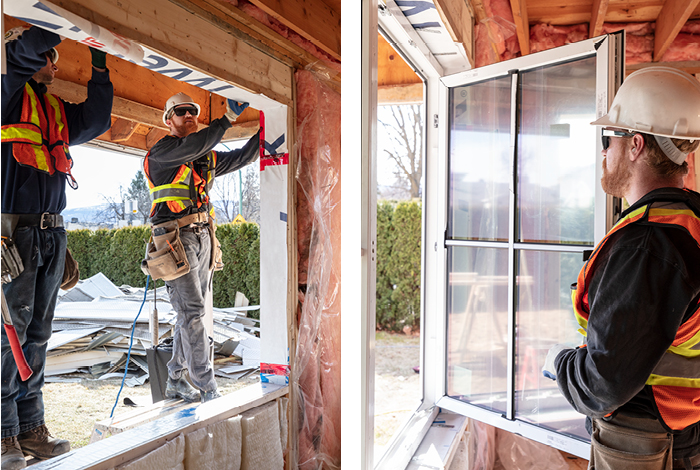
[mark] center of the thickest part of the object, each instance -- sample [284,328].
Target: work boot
[12,456]
[209,396]
[39,443]
[181,388]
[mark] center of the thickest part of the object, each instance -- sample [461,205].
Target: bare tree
[403,126]
[115,209]
[226,191]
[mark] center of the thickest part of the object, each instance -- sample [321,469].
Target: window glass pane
[556,154]
[477,328]
[544,318]
[479,160]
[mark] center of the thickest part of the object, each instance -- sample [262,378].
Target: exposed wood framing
[239,24]
[522,27]
[313,20]
[459,21]
[600,8]
[478,10]
[123,129]
[673,16]
[179,33]
[154,136]
[400,94]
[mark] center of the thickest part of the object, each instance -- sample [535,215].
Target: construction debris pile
[92,329]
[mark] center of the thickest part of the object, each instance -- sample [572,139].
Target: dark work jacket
[169,153]
[26,190]
[645,285]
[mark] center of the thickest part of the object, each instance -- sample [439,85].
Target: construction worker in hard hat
[637,298]
[180,169]
[37,128]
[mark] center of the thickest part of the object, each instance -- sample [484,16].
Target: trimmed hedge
[118,253]
[398,265]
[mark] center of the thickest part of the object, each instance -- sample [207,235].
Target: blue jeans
[187,296]
[31,298]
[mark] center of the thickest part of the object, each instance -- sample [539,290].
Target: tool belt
[630,443]
[43,221]
[165,254]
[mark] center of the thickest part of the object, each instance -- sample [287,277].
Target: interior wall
[316,370]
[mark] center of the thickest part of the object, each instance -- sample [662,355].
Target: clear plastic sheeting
[316,368]
[485,447]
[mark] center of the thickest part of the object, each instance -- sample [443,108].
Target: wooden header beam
[178,33]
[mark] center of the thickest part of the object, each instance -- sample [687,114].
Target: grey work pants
[187,296]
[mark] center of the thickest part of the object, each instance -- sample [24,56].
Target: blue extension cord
[131,342]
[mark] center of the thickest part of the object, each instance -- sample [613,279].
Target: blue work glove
[234,109]
[99,58]
[548,370]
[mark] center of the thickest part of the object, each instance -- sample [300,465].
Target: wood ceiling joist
[459,21]
[692,67]
[179,33]
[121,107]
[123,129]
[600,9]
[312,19]
[522,25]
[671,19]
[240,24]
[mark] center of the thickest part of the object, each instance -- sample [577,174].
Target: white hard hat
[177,100]
[662,101]
[14,34]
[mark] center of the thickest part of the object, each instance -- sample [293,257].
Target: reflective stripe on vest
[676,378]
[30,146]
[177,194]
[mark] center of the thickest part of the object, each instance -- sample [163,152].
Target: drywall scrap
[316,370]
[496,39]
[171,455]
[261,446]
[92,329]
[218,446]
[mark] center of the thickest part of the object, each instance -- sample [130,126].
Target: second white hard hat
[177,100]
[662,101]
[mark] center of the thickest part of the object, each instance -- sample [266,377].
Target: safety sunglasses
[607,133]
[182,110]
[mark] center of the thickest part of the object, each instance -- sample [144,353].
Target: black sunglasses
[607,133]
[182,110]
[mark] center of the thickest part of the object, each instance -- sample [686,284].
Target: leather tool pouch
[165,254]
[71,273]
[216,262]
[12,265]
[616,447]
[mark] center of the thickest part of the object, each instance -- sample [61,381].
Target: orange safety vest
[40,139]
[675,380]
[187,183]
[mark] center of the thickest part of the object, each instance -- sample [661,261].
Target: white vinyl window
[522,207]
[512,204]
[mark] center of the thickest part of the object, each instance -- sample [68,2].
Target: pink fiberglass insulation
[496,37]
[545,36]
[316,368]
[639,40]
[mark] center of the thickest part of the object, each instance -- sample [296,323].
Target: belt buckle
[42,226]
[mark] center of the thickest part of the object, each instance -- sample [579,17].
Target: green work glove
[99,58]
